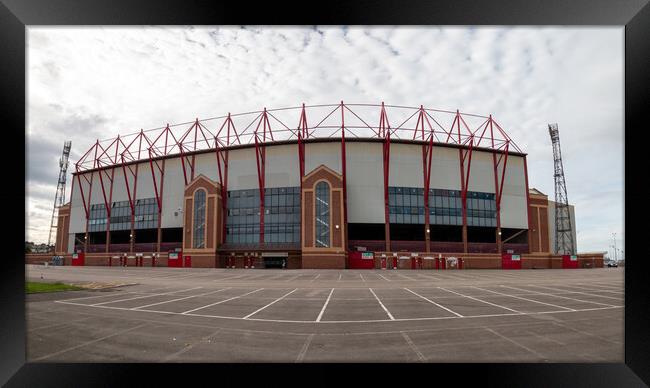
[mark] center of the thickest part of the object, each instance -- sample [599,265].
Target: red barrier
[78,259]
[394,262]
[569,261]
[362,260]
[383,263]
[437,263]
[509,261]
[174,260]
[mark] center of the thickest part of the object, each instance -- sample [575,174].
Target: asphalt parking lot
[253,315]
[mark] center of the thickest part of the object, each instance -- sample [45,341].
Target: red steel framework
[420,125]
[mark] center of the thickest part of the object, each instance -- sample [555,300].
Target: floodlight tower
[60,188]
[564,243]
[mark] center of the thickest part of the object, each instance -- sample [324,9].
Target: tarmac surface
[268,315]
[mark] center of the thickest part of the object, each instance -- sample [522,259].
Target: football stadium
[315,187]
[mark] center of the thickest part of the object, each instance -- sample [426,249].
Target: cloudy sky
[90,83]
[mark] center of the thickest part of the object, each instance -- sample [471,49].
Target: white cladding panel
[205,164]
[96,196]
[514,205]
[242,169]
[282,166]
[174,186]
[328,154]
[406,165]
[70,243]
[445,169]
[119,185]
[365,179]
[77,214]
[481,173]
[144,184]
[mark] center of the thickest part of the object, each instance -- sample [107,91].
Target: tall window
[322,215]
[199,219]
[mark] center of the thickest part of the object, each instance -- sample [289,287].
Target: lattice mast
[564,243]
[59,198]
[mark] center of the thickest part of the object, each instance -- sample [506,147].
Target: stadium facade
[253,190]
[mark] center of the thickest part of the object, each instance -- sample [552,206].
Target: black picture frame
[15,15]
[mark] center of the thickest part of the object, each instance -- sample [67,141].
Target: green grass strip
[36,287]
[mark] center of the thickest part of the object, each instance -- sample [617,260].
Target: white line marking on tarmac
[382,305]
[145,296]
[586,333]
[89,342]
[432,302]
[317,276]
[526,299]
[577,292]
[320,315]
[358,321]
[340,277]
[190,346]
[305,346]
[232,277]
[597,289]
[515,343]
[174,300]
[277,300]
[98,296]
[482,301]
[385,278]
[361,276]
[406,277]
[413,347]
[216,303]
[563,297]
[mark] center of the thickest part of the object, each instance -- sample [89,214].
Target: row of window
[281,216]
[146,215]
[441,220]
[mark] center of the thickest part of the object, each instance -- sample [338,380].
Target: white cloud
[88,83]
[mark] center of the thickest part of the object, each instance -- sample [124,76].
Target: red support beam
[345,185]
[427,155]
[527,202]
[260,158]
[385,131]
[464,178]
[222,169]
[498,185]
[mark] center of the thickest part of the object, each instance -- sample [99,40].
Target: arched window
[198,222]
[322,231]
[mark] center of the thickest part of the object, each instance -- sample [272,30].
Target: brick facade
[334,255]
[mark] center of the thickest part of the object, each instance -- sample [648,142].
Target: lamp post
[615,253]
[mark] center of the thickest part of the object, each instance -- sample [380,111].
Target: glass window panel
[322,229]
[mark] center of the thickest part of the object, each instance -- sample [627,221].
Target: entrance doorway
[275,259]
[275,262]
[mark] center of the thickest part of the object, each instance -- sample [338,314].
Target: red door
[188,262]
[569,261]
[510,261]
[78,259]
[383,263]
[174,260]
[362,260]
